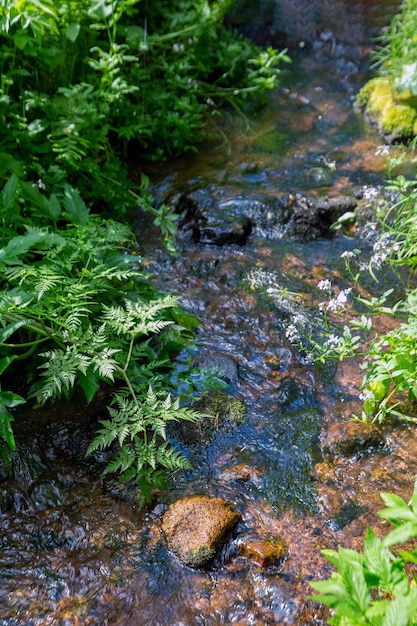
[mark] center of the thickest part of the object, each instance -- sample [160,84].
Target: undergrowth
[376,587]
[86,86]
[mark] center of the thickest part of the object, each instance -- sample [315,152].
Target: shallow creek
[77,550]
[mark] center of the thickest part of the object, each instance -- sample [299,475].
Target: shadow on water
[75,549]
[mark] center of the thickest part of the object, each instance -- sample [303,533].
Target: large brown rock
[196,528]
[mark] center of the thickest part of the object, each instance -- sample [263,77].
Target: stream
[78,550]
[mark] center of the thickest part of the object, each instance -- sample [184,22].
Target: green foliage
[374,587]
[83,85]
[75,301]
[138,426]
[81,81]
[390,99]
[397,55]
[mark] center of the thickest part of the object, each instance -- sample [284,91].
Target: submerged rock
[267,552]
[200,216]
[291,217]
[349,438]
[225,364]
[230,230]
[313,218]
[197,527]
[218,408]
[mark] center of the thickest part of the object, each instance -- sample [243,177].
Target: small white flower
[292,333]
[347,254]
[333,341]
[339,301]
[324,285]
[370,193]
[299,319]
[382,151]
[332,305]
[366,395]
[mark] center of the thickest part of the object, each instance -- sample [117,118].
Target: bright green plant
[375,587]
[76,305]
[397,55]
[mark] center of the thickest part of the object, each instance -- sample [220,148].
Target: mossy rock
[394,116]
[219,410]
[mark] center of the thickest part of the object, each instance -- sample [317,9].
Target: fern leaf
[104,364]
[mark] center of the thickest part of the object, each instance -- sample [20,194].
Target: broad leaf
[75,207]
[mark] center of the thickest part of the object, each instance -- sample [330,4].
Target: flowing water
[77,550]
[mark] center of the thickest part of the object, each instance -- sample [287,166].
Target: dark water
[77,550]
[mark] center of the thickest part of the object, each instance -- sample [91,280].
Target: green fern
[138,427]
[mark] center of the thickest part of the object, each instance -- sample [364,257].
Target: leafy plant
[84,85]
[375,587]
[76,303]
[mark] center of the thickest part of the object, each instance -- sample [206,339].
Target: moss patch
[395,118]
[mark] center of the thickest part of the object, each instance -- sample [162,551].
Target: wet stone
[224,364]
[243,473]
[267,552]
[231,230]
[219,410]
[313,218]
[349,438]
[197,527]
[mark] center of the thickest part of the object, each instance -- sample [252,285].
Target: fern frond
[75,319]
[122,462]
[171,459]
[19,274]
[61,368]
[137,318]
[104,364]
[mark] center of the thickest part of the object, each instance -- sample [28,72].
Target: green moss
[394,116]
[198,557]
[397,120]
[374,96]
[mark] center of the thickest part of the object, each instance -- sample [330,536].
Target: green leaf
[401,534]
[396,613]
[76,209]
[5,362]
[10,399]
[8,195]
[360,592]
[89,383]
[6,432]
[8,330]
[72,31]
[19,245]
[377,559]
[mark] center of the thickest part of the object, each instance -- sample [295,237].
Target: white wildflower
[292,333]
[370,193]
[324,285]
[339,301]
[366,394]
[300,319]
[333,341]
[347,254]
[382,151]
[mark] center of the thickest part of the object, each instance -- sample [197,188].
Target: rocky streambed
[279,471]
